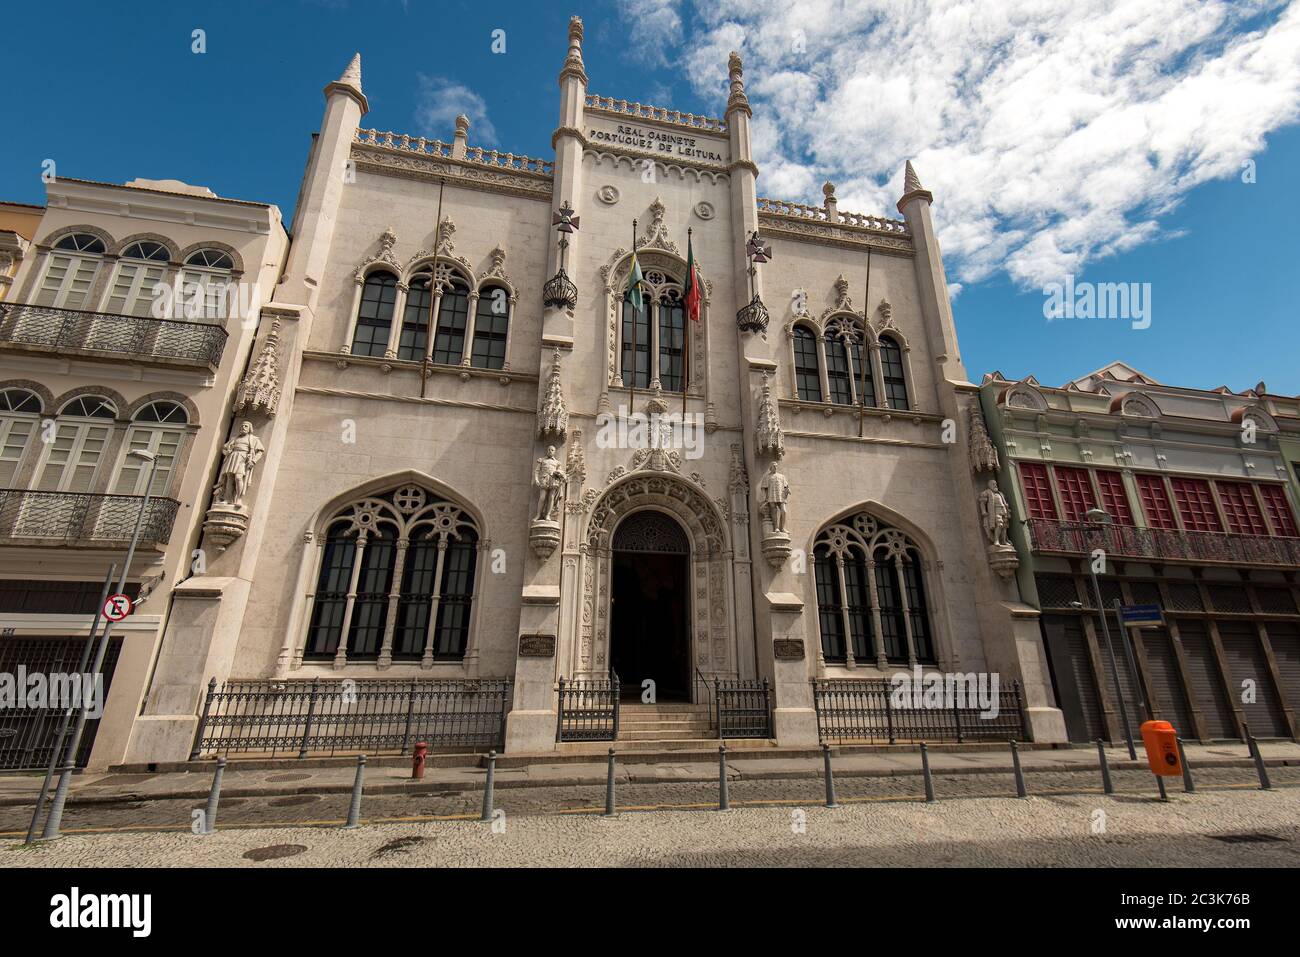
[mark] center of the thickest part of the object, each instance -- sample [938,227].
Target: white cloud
[438,102]
[658,26]
[1052,132]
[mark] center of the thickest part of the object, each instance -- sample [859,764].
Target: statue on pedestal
[242,453]
[774,494]
[548,479]
[995,513]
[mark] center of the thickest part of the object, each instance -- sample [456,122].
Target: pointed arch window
[672,339]
[396,581]
[636,345]
[872,604]
[657,334]
[70,272]
[845,373]
[453,314]
[375,315]
[807,370]
[891,367]
[20,416]
[416,315]
[491,324]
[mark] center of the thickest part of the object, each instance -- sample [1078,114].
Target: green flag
[634,280]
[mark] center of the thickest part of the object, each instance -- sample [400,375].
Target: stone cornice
[658,158]
[830,235]
[427,168]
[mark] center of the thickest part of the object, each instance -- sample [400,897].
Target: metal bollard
[925,770]
[1106,784]
[1160,786]
[354,809]
[1020,774]
[830,778]
[214,798]
[1264,783]
[487,787]
[724,802]
[609,787]
[1188,784]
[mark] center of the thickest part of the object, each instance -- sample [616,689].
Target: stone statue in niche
[241,455]
[548,479]
[996,514]
[774,492]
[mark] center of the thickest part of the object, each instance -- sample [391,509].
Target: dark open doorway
[650,608]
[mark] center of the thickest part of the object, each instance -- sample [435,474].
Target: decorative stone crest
[553,416]
[770,439]
[497,270]
[384,257]
[657,235]
[983,456]
[774,497]
[260,389]
[608,194]
[843,301]
[657,404]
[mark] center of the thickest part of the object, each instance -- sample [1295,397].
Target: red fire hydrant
[418,757]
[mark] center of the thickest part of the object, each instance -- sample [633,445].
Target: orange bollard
[418,756]
[1161,742]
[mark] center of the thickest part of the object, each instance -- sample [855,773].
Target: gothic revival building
[447,476]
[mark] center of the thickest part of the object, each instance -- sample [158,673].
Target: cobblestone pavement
[1046,830]
[533,801]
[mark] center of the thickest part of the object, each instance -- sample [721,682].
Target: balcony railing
[1081,538]
[91,332]
[65,517]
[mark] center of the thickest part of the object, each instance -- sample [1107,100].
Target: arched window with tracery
[851,383]
[417,314]
[395,582]
[656,334]
[807,369]
[453,316]
[375,315]
[70,271]
[872,604]
[891,367]
[491,324]
[20,416]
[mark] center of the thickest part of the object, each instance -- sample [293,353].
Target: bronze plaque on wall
[537,646]
[788,649]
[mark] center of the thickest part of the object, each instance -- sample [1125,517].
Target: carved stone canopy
[553,416]
[983,455]
[259,391]
[383,257]
[657,235]
[769,437]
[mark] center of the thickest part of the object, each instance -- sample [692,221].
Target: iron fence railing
[81,516]
[47,326]
[743,708]
[374,716]
[870,709]
[28,735]
[1174,544]
[588,709]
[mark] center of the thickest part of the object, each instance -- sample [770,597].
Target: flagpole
[866,352]
[433,275]
[631,398]
[686,328]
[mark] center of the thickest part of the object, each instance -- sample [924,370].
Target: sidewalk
[389,778]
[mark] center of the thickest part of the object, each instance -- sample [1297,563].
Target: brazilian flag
[634,281]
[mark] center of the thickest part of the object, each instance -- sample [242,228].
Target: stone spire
[573,60]
[350,83]
[912,188]
[553,416]
[737,100]
[260,389]
[771,440]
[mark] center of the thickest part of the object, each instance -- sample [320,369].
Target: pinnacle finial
[350,82]
[462,125]
[911,182]
[736,74]
[353,73]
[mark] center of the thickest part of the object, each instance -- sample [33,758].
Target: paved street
[1235,827]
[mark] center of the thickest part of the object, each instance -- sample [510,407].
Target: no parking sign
[117,607]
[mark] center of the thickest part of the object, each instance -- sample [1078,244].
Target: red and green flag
[693,296]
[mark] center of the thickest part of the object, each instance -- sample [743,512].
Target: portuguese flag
[634,281]
[693,295]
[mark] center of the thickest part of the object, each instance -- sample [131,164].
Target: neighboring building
[18,224]
[1200,491]
[99,358]
[435,340]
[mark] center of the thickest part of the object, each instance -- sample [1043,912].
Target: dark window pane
[491,321]
[415,321]
[457,596]
[891,366]
[331,596]
[808,380]
[636,333]
[672,339]
[375,315]
[370,607]
[449,343]
[828,606]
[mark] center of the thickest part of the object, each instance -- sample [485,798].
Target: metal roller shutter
[1166,683]
[1206,685]
[1246,660]
[1136,715]
[1284,636]
[1076,691]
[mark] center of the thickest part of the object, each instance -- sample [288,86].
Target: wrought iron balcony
[45,328]
[1161,544]
[64,518]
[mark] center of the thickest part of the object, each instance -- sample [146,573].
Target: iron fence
[82,516]
[109,332]
[1082,537]
[742,708]
[29,735]
[375,716]
[869,709]
[588,709]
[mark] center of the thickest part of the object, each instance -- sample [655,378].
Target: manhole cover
[288,777]
[294,800]
[1248,838]
[401,844]
[274,851]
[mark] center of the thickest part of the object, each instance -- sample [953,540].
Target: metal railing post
[559,712]
[889,718]
[410,714]
[203,719]
[311,714]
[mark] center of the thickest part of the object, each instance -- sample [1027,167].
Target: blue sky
[1107,143]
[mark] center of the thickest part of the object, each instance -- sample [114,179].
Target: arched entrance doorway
[650,606]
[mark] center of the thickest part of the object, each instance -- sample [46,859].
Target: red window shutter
[1279,511]
[1038,494]
[1113,498]
[1196,505]
[1155,502]
[1244,516]
[1076,492]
